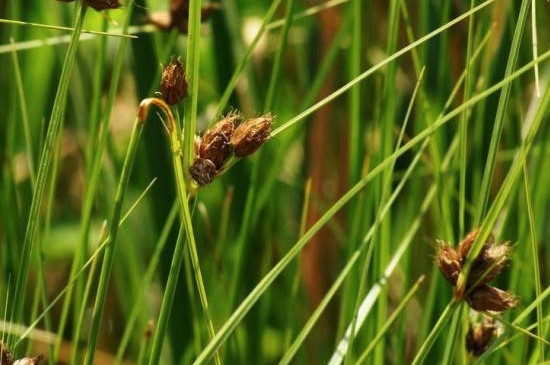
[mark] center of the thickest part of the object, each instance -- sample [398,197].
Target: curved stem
[174,134]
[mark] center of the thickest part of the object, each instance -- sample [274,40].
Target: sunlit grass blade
[57,27]
[24,114]
[245,58]
[434,333]
[192,76]
[535,253]
[254,295]
[369,300]
[483,197]
[378,66]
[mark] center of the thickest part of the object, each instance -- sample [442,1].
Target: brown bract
[480,336]
[215,143]
[251,135]
[449,263]
[488,298]
[490,262]
[203,171]
[173,85]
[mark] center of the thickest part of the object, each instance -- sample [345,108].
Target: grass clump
[213,231]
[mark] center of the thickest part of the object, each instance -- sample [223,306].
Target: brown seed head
[250,135]
[448,262]
[492,260]
[203,171]
[488,298]
[215,143]
[173,85]
[479,337]
[466,243]
[103,4]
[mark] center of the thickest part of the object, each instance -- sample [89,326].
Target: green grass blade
[54,127]
[390,321]
[108,257]
[500,113]
[534,252]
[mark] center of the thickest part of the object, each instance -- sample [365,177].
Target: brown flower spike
[488,298]
[480,336]
[492,259]
[251,135]
[215,143]
[222,140]
[213,149]
[203,171]
[173,85]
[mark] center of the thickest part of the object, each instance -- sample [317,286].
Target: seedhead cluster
[481,335]
[231,135]
[492,259]
[173,85]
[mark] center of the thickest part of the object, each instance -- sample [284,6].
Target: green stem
[167,299]
[428,343]
[108,257]
[24,114]
[501,113]
[390,320]
[147,278]
[464,126]
[534,252]
[75,355]
[276,69]
[246,57]
[174,135]
[192,65]
[96,151]
[504,191]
